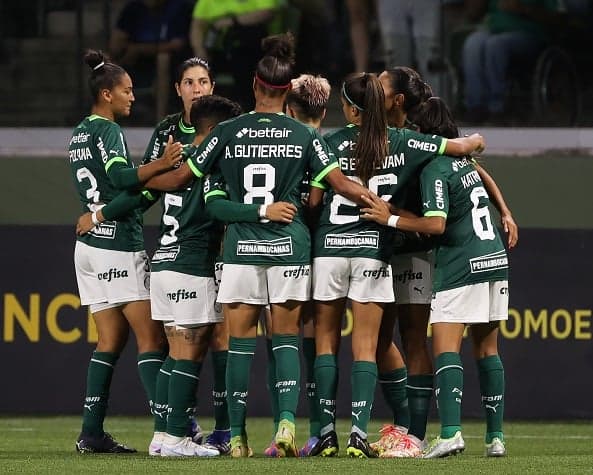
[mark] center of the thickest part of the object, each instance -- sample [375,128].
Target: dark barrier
[47,337]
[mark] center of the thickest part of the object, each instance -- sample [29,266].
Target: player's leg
[308,348]
[490,368]
[271,450]
[392,380]
[365,331]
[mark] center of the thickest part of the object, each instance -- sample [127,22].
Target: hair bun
[280,46]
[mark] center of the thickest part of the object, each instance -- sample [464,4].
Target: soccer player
[411,263]
[263,157]
[111,264]
[470,283]
[351,257]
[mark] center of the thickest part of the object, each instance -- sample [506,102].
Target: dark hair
[208,111]
[434,117]
[192,62]
[275,70]
[408,82]
[309,96]
[364,91]
[104,73]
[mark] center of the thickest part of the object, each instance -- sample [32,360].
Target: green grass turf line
[46,445]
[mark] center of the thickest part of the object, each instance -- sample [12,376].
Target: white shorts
[218,266]
[108,279]
[478,303]
[260,285]
[182,298]
[358,278]
[412,277]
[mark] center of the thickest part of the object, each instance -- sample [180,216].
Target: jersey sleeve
[321,160]
[205,156]
[422,147]
[435,192]
[153,149]
[219,206]
[114,153]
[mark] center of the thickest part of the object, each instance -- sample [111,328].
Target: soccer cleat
[102,444]
[219,440]
[440,447]
[496,448]
[408,446]
[155,444]
[308,447]
[327,446]
[285,439]
[186,448]
[271,450]
[195,431]
[390,436]
[239,447]
[359,447]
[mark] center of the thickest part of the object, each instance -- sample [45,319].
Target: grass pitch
[46,444]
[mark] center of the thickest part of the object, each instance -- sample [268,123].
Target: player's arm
[346,187]
[119,207]
[172,180]
[495,195]
[125,177]
[379,211]
[314,204]
[461,146]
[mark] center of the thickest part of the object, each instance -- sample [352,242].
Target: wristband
[262,211]
[392,221]
[94,219]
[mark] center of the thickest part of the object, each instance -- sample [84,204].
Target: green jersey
[190,238]
[470,251]
[263,158]
[96,150]
[170,125]
[341,232]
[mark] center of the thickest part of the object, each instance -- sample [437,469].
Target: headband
[102,63]
[272,86]
[350,101]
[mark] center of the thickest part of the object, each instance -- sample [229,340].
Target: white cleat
[496,448]
[187,448]
[444,447]
[408,446]
[154,448]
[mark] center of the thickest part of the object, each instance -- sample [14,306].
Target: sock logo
[457,391]
[357,414]
[90,401]
[493,408]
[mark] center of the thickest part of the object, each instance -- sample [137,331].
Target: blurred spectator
[512,33]
[361,12]
[228,33]
[150,39]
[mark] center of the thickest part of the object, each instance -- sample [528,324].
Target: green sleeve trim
[148,195]
[439,214]
[323,173]
[316,184]
[115,160]
[213,193]
[196,171]
[443,146]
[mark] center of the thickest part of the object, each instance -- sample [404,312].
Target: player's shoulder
[348,132]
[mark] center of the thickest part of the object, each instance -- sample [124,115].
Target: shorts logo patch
[165,254]
[489,262]
[296,272]
[366,239]
[381,272]
[112,274]
[275,247]
[182,294]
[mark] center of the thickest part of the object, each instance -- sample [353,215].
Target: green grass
[46,444]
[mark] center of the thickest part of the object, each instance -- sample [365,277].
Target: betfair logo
[267,133]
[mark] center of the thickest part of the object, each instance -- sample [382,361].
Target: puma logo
[89,407]
[357,414]
[331,413]
[240,401]
[488,406]
[420,290]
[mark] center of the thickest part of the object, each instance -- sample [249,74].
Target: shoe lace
[406,443]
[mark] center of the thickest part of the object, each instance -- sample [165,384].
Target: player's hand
[84,224]
[172,154]
[378,210]
[511,228]
[479,141]
[281,212]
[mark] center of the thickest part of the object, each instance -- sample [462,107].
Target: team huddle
[263,214]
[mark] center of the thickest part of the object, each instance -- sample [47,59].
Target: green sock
[449,391]
[271,383]
[419,390]
[221,411]
[288,374]
[149,364]
[393,386]
[183,384]
[238,368]
[161,405]
[309,355]
[98,381]
[491,374]
[326,383]
[364,381]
